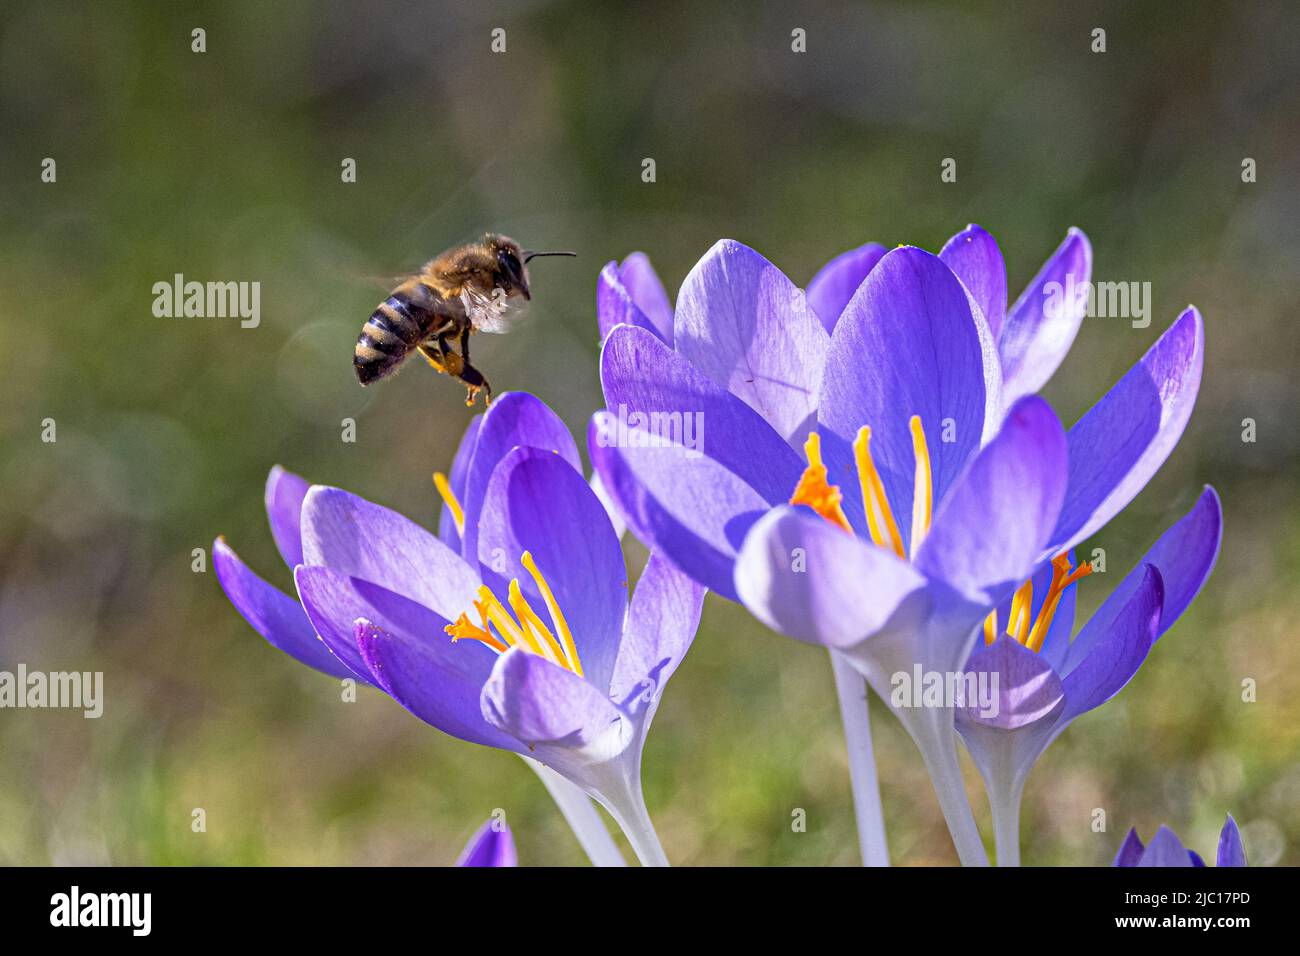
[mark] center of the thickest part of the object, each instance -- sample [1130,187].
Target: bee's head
[512,264]
[511,273]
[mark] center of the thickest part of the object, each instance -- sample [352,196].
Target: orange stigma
[1032,633]
[815,491]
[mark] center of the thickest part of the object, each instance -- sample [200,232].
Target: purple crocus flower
[948,500]
[1044,680]
[1165,849]
[1034,335]
[453,627]
[492,845]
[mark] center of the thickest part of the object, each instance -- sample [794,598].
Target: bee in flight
[468,289]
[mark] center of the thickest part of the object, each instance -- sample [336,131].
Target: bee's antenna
[534,255]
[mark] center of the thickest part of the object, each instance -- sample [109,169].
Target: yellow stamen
[450,500]
[561,625]
[526,629]
[874,500]
[531,623]
[923,486]
[991,627]
[815,490]
[1021,604]
[497,614]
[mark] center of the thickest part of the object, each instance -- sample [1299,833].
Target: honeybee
[468,289]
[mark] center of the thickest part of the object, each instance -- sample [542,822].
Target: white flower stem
[932,729]
[1004,804]
[629,811]
[852,690]
[582,815]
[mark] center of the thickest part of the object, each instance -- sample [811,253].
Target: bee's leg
[471,376]
[442,358]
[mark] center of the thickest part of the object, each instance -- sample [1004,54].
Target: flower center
[499,631]
[450,500]
[1032,633]
[815,490]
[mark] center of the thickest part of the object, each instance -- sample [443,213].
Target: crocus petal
[661,623]
[284,494]
[1130,851]
[1165,849]
[273,614]
[515,419]
[492,845]
[615,306]
[908,343]
[335,602]
[808,579]
[693,510]
[747,327]
[457,478]
[433,679]
[536,502]
[1231,850]
[537,702]
[642,283]
[831,288]
[611,506]
[1184,555]
[988,534]
[1027,687]
[1041,326]
[1123,440]
[974,257]
[363,540]
[1116,657]
[646,384]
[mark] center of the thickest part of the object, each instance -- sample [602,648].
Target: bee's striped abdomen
[390,332]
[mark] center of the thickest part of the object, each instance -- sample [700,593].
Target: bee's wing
[493,314]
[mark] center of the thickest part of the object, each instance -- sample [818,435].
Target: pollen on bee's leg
[452,363]
[815,490]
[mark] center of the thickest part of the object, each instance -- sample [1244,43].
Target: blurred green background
[226,165]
